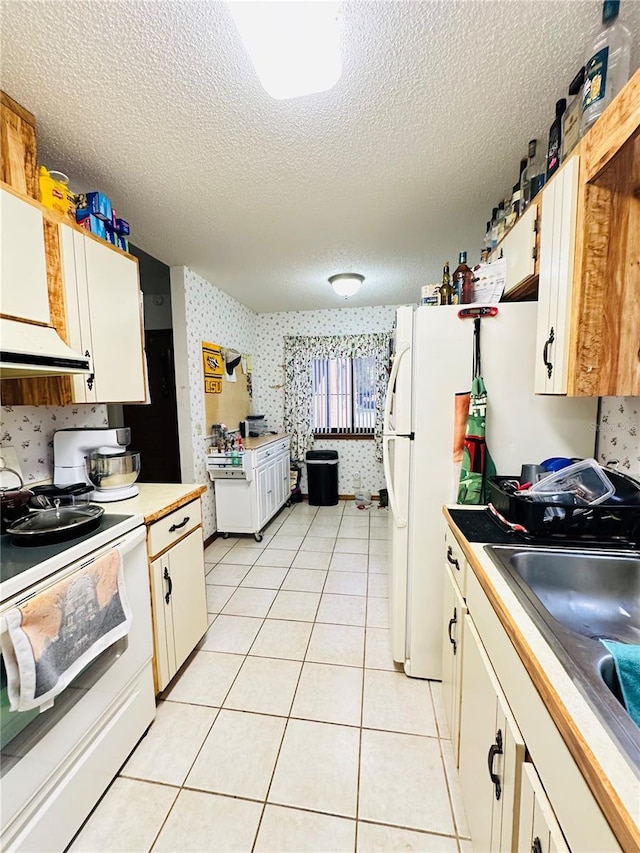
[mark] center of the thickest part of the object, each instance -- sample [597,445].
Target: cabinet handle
[175,527]
[536,847]
[451,559]
[453,622]
[167,577]
[495,749]
[91,377]
[545,352]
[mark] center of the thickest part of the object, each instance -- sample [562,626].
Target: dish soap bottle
[607,66]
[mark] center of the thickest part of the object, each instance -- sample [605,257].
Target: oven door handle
[138,535]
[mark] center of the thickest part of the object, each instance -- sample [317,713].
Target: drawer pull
[167,577]
[453,622]
[451,559]
[495,749]
[175,527]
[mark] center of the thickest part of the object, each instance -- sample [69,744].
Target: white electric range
[56,763]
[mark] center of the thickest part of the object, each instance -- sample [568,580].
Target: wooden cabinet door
[557,251]
[23,270]
[539,831]
[452,640]
[116,324]
[489,741]
[164,650]
[187,595]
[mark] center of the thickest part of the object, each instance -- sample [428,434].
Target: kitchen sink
[597,595]
[577,597]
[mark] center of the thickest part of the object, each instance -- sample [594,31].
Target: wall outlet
[198,429]
[356,481]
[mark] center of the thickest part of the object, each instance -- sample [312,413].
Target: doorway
[154,427]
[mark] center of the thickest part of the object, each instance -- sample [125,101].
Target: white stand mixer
[97,457]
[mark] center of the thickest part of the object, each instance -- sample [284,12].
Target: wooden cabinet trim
[616,127]
[619,819]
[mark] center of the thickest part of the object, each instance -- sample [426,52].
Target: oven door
[39,747]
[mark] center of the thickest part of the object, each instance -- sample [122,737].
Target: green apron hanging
[477,464]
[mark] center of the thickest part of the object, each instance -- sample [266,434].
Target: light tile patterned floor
[290,728]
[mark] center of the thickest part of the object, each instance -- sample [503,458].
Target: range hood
[28,350]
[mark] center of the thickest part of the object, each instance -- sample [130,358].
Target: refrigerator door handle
[403,348]
[399,520]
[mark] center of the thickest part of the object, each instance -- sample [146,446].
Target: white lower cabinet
[179,603]
[544,804]
[246,505]
[539,831]
[491,752]
[454,612]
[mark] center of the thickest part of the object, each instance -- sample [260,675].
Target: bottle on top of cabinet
[555,139]
[572,116]
[607,65]
[494,228]
[445,288]
[463,280]
[514,206]
[533,176]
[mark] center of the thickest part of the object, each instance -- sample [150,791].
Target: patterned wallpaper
[214,316]
[29,430]
[356,457]
[619,432]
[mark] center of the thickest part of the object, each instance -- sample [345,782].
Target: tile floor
[290,728]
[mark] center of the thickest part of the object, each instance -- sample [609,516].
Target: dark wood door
[154,427]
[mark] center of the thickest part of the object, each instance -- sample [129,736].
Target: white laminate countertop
[611,762]
[156,500]
[260,441]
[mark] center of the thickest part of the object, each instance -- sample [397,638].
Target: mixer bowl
[112,471]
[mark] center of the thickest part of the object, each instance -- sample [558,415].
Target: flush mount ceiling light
[294,47]
[346,283]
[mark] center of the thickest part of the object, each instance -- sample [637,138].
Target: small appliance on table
[97,457]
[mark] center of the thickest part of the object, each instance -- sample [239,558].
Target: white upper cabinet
[104,319]
[23,270]
[518,248]
[557,251]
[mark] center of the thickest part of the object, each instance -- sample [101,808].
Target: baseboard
[344,497]
[210,539]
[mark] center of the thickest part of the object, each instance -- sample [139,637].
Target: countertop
[260,441]
[156,500]
[609,776]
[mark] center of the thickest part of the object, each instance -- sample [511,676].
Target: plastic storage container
[585,481]
[322,477]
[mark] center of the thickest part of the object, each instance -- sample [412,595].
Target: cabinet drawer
[270,451]
[456,561]
[174,526]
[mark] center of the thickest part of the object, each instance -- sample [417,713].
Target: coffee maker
[97,456]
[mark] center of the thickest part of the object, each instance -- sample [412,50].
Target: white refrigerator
[432,362]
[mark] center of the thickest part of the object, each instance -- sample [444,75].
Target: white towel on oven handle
[19,650]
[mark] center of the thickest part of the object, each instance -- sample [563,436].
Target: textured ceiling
[390,173]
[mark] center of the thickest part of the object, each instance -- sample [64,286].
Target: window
[344,396]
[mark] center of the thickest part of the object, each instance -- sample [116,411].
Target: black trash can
[322,477]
